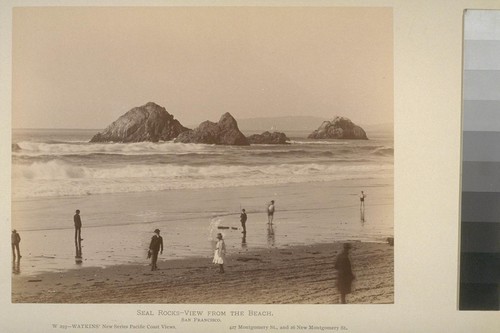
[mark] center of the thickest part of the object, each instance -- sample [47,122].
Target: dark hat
[219,235]
[78,211]
[347,246]
[272,201]
[14,230]
[157,231]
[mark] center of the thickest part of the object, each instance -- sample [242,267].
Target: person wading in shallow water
[345,275]
[220,253]
[155,246]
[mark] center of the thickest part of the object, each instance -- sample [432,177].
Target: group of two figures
[156,247]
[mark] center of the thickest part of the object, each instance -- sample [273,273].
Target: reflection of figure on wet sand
[244,241]
[15,240]
[362,214]
[270,235]
[78,251]
[345,275]
[16,266]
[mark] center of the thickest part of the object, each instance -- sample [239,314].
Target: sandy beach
[291,275]
[191,193]
[117,227]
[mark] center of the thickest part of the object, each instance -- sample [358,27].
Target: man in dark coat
[345,275]
[155,246]
[78,226]
[243,220]
[15,240]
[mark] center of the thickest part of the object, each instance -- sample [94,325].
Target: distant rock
[275,138]
[339,128]
[225,132]
[149,122]
[15,147]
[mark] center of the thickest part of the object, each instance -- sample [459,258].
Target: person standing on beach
[220,253]
[270,212]
[345,275]
[362,197]
[243,220]
[15,239]
[155,246]
[78,235]
[78,227]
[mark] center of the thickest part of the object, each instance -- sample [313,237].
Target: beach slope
[291,275]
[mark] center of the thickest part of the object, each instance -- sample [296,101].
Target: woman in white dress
[220,253]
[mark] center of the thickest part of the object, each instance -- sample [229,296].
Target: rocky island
[149,122]
[275,138]
[339,128]
[224,132]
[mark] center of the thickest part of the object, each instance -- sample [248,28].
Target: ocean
[191,192]
[52,163]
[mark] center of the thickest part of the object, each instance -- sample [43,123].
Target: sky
[83,67]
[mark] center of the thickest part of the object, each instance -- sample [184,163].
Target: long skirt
[218,259]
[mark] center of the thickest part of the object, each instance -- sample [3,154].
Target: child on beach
[270,212]
[220,253]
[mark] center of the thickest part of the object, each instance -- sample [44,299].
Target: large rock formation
[149,122]
[339,128]
[275,138]
[225,132]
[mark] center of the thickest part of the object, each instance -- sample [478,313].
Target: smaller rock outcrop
[15,147]
[224,132]
[339,128]
[275,138]
[149,122]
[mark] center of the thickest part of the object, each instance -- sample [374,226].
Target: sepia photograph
[248,166]
[234,155]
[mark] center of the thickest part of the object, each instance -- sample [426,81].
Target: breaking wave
[78,147]
[58,178]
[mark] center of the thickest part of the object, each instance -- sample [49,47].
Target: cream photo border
[427,121]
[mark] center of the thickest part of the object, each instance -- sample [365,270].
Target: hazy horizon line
[196,125]
[192,127]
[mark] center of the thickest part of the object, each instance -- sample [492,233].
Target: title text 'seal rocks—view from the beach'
[243,165]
